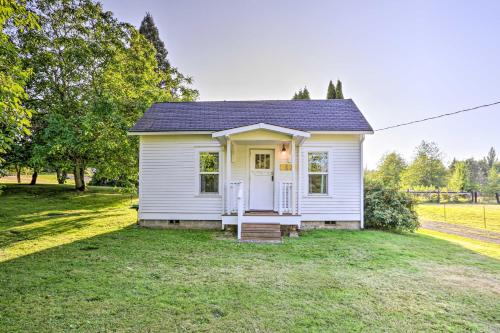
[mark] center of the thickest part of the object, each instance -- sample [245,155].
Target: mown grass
[43,178]
[469,215]
[102,273]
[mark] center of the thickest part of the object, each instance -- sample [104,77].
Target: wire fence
[479,216]
[439,196]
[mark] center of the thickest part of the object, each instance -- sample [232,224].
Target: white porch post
[228,175]
[294,180]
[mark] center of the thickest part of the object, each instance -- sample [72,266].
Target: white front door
[262,179]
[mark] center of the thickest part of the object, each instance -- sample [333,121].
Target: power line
[439,116]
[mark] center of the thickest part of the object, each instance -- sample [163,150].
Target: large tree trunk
[78,173]
[34,176]
[61,176]
[18,174]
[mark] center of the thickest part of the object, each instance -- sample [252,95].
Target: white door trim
[272,152]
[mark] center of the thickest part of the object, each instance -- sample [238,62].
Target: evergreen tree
[149,30]
[338,91]
[491,158]
[331,94]
[302,94]
[305,94]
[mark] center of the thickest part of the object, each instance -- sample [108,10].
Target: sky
[398,60]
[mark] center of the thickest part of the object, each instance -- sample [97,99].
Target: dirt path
[459,230]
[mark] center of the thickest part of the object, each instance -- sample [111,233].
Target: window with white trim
[209,172]
[317,167]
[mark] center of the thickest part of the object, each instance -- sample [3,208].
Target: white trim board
[170,133]
[260,126]
[179,216]
[212,132]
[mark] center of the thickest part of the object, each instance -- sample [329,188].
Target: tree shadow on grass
[31,219]
[55,227]
[22,204]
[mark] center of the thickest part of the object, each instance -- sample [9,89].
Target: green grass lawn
[470,215]
[43,178]
[77,262]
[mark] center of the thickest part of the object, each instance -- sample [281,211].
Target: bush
[388,208]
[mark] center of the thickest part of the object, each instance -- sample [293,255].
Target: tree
[338,90]
[451,167]
[305,94]
[491,158]
[149,30]
[14,116]
[16,159]
[93,77]
[426,169]
[302,94]
[459,180]
[390,168]
[331,94]
[478,172]
[492,185]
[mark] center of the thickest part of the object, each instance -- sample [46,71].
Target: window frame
[328,172]
[198,172]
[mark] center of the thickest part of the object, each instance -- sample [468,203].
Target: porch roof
[264,126]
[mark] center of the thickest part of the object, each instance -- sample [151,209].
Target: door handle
[272,178]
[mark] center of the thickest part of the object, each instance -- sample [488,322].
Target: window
[262,161]
[318,172]
[209,172]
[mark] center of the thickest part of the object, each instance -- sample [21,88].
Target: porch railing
[285,197]
[241,207]
[236,202]
[233,196]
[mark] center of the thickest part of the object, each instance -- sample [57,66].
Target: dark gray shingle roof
[304,115]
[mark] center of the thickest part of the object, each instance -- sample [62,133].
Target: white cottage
[256,165]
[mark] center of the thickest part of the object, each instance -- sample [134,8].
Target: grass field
[43,178]
[77,262]
[470,215]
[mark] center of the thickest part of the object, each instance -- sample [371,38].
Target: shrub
[388,208]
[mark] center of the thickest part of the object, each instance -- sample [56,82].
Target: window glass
[209,183]
[318,162]
[318,183]
[262,161]
[318,172]
[209,162]
[209,172]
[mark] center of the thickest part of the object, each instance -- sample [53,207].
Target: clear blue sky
[398,60]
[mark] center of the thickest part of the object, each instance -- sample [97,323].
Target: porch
[260,175]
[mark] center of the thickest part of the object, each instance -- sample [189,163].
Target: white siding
[168,177]
[343,201]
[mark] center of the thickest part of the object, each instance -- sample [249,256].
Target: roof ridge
[257,100]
